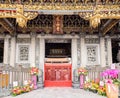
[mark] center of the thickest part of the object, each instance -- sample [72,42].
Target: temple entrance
[58,67]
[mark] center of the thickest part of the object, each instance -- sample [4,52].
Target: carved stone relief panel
[23,53]
[92,54]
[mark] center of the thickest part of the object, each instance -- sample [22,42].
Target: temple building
[58,36]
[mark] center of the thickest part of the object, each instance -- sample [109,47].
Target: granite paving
[58,92]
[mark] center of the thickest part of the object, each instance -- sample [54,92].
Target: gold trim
[23,13]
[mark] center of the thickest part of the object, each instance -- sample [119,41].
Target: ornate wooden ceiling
[27,13]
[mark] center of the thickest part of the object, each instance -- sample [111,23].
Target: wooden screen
[58,74]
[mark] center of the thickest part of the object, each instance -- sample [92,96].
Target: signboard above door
[58,41]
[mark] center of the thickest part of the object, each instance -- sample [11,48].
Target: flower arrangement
[95,87]
[111,73]
[26,88]
[34,71]
[16,91]
[87,85]
[82,71]
[102,91]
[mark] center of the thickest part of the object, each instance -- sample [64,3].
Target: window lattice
[74,21]
[41,21]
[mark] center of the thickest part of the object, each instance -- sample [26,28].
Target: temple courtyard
[58,92]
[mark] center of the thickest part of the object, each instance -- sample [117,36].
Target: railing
[11,76]
[94,72]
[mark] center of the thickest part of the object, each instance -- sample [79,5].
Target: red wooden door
[58,74]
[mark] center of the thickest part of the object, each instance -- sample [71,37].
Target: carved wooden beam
[26,12]
[17,12]
[109,26]
[7,25]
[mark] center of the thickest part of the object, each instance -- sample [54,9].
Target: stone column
[109,51]
[74,54]
[83,54]
[102,52]
[13,51]
[42,53]
[6,50]
[32,53]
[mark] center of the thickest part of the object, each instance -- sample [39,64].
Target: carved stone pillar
[102,52]
[109,50]
[57,24]
[74,54]
[83,58]
[13,51]
[32,54]
[6,51]
[42,53]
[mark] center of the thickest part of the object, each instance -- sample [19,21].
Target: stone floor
[57,92]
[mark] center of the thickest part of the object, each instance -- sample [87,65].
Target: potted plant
[112,81]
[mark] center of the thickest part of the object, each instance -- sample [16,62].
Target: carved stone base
[40,85]
[76,85]
[4,92]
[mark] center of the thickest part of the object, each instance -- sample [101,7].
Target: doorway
[115,50]
[58,67]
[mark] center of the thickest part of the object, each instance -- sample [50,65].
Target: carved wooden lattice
[62,1]
[41,21]
[74,21]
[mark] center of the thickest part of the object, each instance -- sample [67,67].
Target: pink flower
[111,73]
[82,71]
[34,71]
